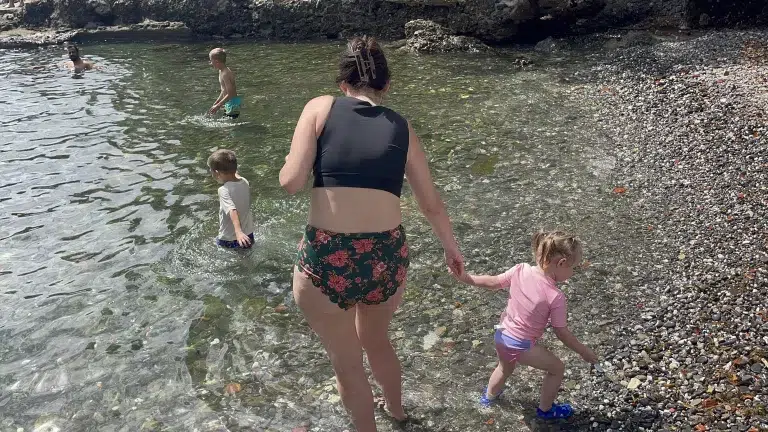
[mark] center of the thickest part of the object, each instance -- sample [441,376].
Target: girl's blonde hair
[547,244]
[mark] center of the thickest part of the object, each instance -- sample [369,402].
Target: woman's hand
[455,262]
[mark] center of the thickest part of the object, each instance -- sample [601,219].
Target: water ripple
[119,311]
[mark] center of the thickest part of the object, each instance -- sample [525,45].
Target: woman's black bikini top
[362,146]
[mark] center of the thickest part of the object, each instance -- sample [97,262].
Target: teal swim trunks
[232,107]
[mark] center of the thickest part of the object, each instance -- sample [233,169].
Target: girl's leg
[540,358]
[499,377]
[336,328]
[372,329]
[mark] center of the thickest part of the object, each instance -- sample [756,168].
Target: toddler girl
[535,301]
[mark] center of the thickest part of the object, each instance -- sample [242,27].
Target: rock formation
[491,21]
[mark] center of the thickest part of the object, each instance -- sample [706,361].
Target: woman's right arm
[301,157]
[430,202]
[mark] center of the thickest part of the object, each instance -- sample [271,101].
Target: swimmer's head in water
[73,52]
[222,162]
[363,65]
[218,58]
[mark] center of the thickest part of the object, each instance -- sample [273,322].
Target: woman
[351,268]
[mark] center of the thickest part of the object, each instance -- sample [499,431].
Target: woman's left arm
[298,163]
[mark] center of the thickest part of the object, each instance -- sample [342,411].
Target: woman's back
[362,151]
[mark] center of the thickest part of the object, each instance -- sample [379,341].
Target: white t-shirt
[234,195]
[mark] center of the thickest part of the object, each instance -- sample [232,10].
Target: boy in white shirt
[234,201]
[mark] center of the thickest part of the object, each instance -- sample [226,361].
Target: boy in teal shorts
[228,97]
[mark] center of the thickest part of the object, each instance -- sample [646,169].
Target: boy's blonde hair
[547,244]
[219,54]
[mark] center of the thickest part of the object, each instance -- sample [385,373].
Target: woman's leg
[336,328]
[372,329]
[540,358]
[499,377]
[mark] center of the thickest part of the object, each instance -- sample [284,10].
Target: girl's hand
[465,277]
[589,356]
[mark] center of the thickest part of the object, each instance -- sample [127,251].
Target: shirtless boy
[228,97]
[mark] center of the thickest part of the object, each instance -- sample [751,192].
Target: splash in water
[212,122]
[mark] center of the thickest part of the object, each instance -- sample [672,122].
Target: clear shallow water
[117,312]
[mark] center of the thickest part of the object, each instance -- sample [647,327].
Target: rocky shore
[480,22]
[689,123]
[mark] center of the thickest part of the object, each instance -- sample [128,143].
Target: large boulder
[37,13]
[213,17]
[78,13]
[127,11]
[425,36]
[99,7]
[421,26]
[9,17]
[725,13]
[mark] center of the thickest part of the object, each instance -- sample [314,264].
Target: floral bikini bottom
[352,268]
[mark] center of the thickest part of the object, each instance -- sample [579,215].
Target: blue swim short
[232,107]
[233,244]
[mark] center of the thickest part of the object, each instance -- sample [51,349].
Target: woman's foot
[398,415]
[557,411]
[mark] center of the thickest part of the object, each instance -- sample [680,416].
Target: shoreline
[147,31]
[688,121]
[178,32]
